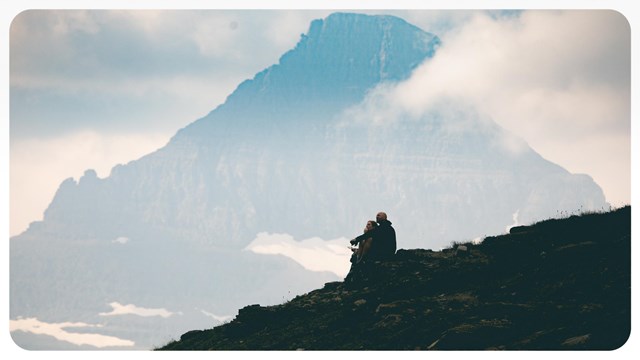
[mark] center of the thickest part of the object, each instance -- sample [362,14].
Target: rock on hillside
[555,285]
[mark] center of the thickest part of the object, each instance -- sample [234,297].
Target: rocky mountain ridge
[561,284]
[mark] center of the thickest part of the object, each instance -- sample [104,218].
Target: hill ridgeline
[560,284]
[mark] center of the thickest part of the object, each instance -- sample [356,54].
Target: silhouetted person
[364,247]
[383,239]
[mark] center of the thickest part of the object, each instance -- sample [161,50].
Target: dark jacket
[384,241]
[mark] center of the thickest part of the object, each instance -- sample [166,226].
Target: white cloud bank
[130,309]
[57,330]
[313,254]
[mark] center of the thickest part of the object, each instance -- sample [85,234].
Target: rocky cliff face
[557,285]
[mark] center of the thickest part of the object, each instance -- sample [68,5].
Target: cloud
[107,47]
[313,254]
[57,330]
[560,80]
[121,240]
[130,309]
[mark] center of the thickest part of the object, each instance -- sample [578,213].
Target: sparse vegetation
[560,284]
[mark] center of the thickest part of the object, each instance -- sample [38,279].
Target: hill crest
[561,284]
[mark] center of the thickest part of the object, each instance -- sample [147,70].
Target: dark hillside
[558,284]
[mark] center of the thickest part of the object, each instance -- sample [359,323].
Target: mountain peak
[381,47]
[334,65]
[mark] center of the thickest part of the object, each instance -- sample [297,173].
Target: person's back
[384,246]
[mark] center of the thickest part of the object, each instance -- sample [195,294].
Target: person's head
[381,216]
[370,225]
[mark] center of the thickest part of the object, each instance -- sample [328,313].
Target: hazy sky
[91,89]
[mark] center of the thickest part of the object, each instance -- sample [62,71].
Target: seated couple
[378,242]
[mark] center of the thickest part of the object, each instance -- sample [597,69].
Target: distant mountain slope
[557,285]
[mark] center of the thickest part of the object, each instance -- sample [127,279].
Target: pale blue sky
[90,89]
